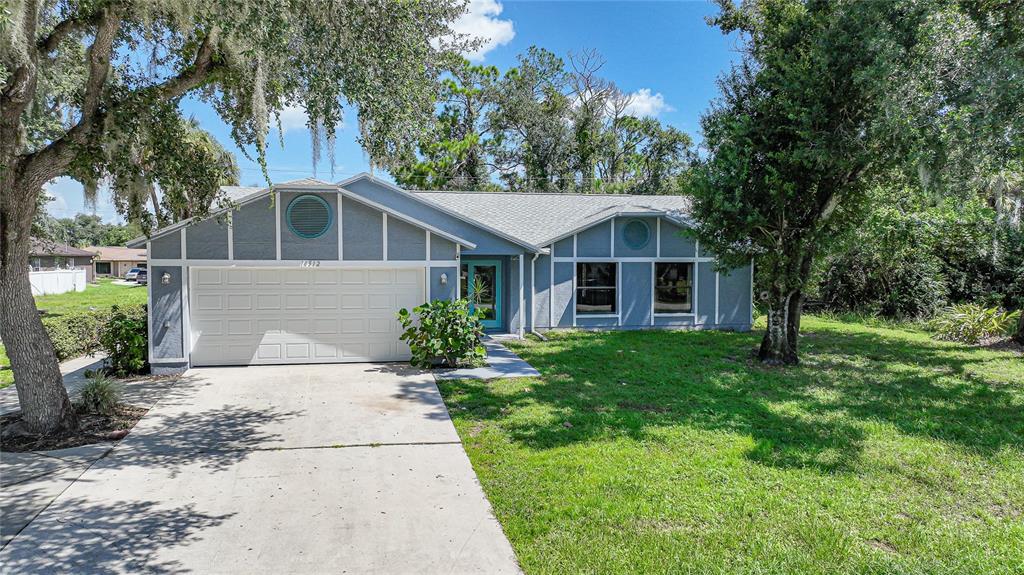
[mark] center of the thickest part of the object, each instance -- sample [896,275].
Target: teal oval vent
[309,216]
[636,234]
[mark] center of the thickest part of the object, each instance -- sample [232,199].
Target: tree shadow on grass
[636,384]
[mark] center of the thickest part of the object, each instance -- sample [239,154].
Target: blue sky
[662,52]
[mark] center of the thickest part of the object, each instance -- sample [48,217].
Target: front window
[673,287]
[595,288]
[103,268]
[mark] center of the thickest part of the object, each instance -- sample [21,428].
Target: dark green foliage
[970,323]
[445,331]
[85,230]
[75,334]
[100,395]
[125,339]
[78,333]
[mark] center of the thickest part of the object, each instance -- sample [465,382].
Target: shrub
[446,331]
[75,334]
[124,337]
[971,323]
[100,395]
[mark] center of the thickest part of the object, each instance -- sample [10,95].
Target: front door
[481,285]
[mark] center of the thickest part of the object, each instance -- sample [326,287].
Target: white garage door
[249,316]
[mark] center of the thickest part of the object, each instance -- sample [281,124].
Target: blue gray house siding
[368,235]
[722,302]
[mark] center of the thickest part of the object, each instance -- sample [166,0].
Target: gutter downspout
[533,297]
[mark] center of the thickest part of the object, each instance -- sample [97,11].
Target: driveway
[278,469]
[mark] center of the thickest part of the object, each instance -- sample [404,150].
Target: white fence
[57,281]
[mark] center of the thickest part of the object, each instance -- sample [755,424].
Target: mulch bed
[93,428]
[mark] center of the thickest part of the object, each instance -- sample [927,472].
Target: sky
[663,53]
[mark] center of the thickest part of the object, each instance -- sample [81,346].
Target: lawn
[101,295]
[104,294]
[673,452]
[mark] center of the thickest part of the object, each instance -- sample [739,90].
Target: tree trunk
[778,347]
[45,406]
[1019,336]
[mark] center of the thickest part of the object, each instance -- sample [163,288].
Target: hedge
[76,334]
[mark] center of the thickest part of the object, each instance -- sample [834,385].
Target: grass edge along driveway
[674,452]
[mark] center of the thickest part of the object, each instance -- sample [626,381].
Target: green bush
[124,337]
[76,334]
[446,332]
[970,323]
[100,395]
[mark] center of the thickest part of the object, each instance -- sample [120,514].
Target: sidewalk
[73,371]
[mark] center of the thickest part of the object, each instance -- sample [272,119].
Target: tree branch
[66,28]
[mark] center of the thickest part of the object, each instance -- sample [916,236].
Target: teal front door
[480,283]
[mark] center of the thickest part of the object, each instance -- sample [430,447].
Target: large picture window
[673,287]
[595,288]
[103,268]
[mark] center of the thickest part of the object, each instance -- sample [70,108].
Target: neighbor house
[117,261]
[312,272]
[48,255]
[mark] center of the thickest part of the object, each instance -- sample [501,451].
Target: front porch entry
[481,282]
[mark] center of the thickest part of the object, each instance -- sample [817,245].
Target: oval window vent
[636,234]
[308,216]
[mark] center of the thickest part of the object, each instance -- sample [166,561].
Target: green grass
[6,375]
[102,295]
[674,452]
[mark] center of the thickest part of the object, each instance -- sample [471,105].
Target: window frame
[577,287]
[693,288]
[109,268]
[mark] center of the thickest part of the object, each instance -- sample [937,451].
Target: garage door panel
[260,316]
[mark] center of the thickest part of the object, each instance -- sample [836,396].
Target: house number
[310,263]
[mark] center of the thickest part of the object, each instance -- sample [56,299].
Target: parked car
[142,277]
[133,273]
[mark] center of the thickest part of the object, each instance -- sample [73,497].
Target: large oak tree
[90,89]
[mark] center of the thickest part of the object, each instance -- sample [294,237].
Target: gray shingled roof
[539,218]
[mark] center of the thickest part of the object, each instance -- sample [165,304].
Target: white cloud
[293,117]
[644,103]
[481,21]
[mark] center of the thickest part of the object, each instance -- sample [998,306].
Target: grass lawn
[101,295]
[6,375]
[97,296]
[673,452]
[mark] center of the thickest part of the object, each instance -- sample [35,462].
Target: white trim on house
[186,315]
[277,222]
[551,288]
[384,234]
[638,259]
[522,295]
[572,296]
[693,304]
[407,219]
[231,236]
[302,263]
[149,311]
[341,234]
[696,283]
[657,240]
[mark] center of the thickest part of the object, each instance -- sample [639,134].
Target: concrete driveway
[286,469]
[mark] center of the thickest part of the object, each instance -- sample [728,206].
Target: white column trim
[522,295]
[551,288]
[458,271]
[426,256]
[572,296]
[657,247]
[184,243]
[696,288]
[385,236]
[277,222]
[186,310]
[231,236]
[611,243]
[426,269]
[341,234]
[618,289]
[149,304]
[717,321]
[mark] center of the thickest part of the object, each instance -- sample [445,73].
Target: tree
[91,90]
[801,130]
[453,156]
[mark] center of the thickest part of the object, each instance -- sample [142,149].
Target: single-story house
[117,261]
[313,272]
[48,255]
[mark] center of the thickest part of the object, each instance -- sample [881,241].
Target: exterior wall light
[444,279]
[165,278]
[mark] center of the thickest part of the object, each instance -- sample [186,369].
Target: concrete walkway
[286,469]
[501,363]
[29,482]
[73,371]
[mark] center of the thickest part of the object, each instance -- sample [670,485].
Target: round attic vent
[636,234]
[308,216]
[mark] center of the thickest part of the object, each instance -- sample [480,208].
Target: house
[48,255]
[116,261]
[312,272]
